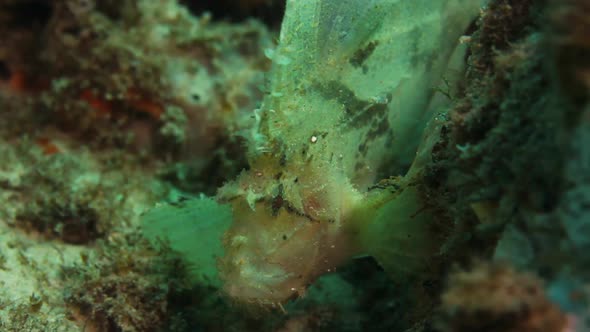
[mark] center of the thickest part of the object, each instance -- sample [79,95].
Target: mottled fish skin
[341,34]
[360,79]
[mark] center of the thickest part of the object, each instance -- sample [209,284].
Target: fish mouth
[250,277]
[266,284]
[269,258]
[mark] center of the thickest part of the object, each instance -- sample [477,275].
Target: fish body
[348,102]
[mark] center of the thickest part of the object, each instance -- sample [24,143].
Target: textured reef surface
[299,165]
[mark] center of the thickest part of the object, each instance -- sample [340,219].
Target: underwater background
[299,165]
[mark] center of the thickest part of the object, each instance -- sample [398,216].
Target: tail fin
[402,233]
[402,237]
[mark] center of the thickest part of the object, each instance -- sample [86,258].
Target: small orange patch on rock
[144,105]
[20,82]
[101,106]
[48,147]
[17,81]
